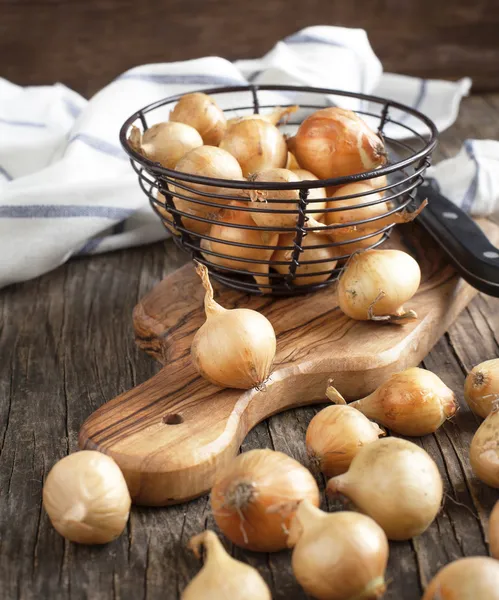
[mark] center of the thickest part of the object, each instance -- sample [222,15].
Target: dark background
[86,43]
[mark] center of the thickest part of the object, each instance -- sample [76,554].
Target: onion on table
[375,284]
[481,388]
[472,578]
[224,233]
[484,450]
[234,347]
[165,143]
[338,556]
[201,112]
[256,495]
[494,531]
[335,142]
[223,577]
[396,483]
[336,435]
[414,402]
[306,274]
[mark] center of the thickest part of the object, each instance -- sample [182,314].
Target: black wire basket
[409,137]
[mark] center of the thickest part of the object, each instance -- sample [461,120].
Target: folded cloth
[66,185]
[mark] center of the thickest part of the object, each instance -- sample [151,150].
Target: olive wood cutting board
[170,434]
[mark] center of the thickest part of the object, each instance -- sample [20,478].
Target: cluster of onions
[256,496]
[339,556]
[234,347]
[414,402]
[396,483]
[375,284]
[222,577]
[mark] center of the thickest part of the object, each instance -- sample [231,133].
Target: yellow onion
[414,402]
[284,218]
[339,556]
[256,496]
[335,142]
[335,435]
[481,388]
[233,348]
[376,283]
[316,196]
[305,272]
[494,531]
[193,225]
[256,144]
[165,143]
[224,233]
[275,117]
[472,578]
[291,162]
[484,450]
[223,577]
[201,112]
[396,483]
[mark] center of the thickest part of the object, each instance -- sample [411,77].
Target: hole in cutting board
[173,419]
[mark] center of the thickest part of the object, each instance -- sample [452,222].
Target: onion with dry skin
[484,450]
[86,498]
[165,143]
[288,215]
[201,112]
[396,483]
[256,144]
[335,142]
[376,283]
[306,274]
[233,348]
[316,196]
[256,496]
[414,402]
[335,435]
[292,163]
[339,556]
[224,233]
[481,388]
[223,577]
[472,578]
[494,531]
[278,115]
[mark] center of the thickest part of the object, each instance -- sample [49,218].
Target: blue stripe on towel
[63,211]
[98,144]
[89,246]
[470,194]
[72,108]
[5,174]
[183,79]
[22,123]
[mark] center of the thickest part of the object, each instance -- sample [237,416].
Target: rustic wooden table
[66,346]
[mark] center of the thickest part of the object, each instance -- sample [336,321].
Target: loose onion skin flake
[338,556]
[335,142]
[396,483]
[471,578]
[222,577]
[414,402]
[481,388]
[256,496]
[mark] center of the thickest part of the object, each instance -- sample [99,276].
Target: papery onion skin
[222,577]
[471,578]
[195,225]
[86,498]
[494,531]
[233,348]
[484,450]
[316,204]
[376,283]
[201,112]
[256,144]
[275,117]
[256,496]
[335,435]
[338,556]
[335,142]
[414,402]
[394,482]
[166,143]
[481,388]
[309,253]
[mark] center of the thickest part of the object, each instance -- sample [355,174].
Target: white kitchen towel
[67,187]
